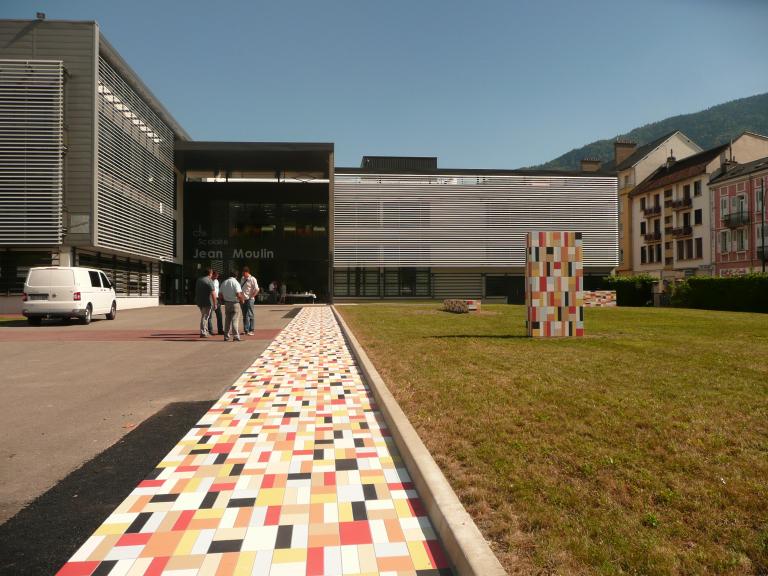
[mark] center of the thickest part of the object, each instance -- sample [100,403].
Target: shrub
[456,306]
[632,290]
[748,293]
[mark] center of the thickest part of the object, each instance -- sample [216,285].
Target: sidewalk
[291,472]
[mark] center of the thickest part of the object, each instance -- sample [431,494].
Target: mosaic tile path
[292,472]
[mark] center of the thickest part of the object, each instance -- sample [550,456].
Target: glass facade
[382,282]
[278,230]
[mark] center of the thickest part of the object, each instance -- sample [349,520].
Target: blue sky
[498,84]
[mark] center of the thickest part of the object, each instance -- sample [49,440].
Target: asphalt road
[69,392]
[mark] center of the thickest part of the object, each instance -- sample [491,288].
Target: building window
[699,247]
[621,255]
[657,226]
[689,248]
[759,239]
[697,188]
[723,206]
[642,228]
[725,241]
[643,259]
[760,194]
[668,193]
[642,203]
[741,240]
[658,252]
[687,219]
[656,201]
[687,192]
[697,216]
[680,250]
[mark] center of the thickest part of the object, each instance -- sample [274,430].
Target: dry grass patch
[642,449]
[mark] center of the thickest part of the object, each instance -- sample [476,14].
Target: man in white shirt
[250,290]
[232,294]
[217,308]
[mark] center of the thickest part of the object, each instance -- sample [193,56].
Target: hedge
[748,293]
[632,290]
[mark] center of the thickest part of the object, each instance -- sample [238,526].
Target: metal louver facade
[407,220]
[136,196]
[31,147]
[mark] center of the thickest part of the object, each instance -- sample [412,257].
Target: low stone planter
[461,306]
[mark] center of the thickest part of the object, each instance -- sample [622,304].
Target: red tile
[273,516]
[315,562]
[156,567]
[358,532]
[78,569]
[184,519]
[134,539]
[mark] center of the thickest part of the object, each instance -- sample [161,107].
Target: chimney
[622,149]
[671,159]
[590,164]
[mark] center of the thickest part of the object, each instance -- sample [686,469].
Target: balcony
[736,219]
[652,211]
[682,204]
[652,236]
[682,231]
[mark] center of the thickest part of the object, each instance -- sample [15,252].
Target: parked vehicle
[67,292]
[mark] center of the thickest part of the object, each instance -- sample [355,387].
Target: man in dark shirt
[205,299]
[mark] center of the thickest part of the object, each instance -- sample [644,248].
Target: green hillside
[707,128]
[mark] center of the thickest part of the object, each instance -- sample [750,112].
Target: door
[107,287]
[95,292]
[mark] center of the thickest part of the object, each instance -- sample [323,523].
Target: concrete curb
[467,550]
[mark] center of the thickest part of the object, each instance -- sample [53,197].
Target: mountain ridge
[708,128]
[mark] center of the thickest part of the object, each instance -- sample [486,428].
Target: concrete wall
[76,44]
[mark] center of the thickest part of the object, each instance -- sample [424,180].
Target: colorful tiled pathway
[292,472]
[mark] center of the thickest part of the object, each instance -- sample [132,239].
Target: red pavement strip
[55,333]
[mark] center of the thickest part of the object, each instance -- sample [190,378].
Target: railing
[682,231]
[680,204]
[652,236]
[652,210]
[735,219]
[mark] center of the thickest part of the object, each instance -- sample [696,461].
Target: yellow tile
[345,512]
[283,555]
[402,508]
[187,541]
[419,556]
[321,498]
[111,529]
[209,513]
[244,564]
[270,497]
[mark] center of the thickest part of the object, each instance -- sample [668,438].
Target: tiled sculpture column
[554,280]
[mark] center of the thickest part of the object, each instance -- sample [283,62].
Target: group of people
[277,292]
[237,298]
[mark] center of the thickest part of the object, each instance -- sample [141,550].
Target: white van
[65,292]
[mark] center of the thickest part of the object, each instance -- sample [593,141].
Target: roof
[214,155]
[681,170]
[741,170]
[639,153]
[399,162]
[472,172]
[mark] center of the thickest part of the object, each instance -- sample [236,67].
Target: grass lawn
[641,448]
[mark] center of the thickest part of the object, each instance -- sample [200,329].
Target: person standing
[217,309]
[283,291]
[232,294]
[250,289]
[205,300]
[273,292]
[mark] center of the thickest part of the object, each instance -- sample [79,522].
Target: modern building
[672,211]
[87,174]
[739,222]
[632,164]
[404,228]
[96,172]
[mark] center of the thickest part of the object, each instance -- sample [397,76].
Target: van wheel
[87,318]
[35,321]
[112,311]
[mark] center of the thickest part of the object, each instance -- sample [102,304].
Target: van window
[39,278]
[50,278]
[94,279]
[105,281]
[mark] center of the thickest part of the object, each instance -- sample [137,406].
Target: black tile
[138,522]
[209,500]
[318,454]
[284,536]
[220,459]
[359,443]
[338,434]
[291,414]
[346,464]
[204,439]
[155,473]
[164,498]
[200,451]
[221,546]
[364,425]
[300,476]
[241,502]
[237,469]
[104,568]
[324,441]
[328,419]
[358,511]
[369,491]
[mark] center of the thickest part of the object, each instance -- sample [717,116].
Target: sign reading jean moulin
[206,247]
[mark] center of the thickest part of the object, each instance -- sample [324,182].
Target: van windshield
[50,278]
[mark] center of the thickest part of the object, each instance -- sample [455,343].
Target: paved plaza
[291,472]
[70,392]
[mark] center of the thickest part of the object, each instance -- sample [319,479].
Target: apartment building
[739,221]
[632,164]
[672,217]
